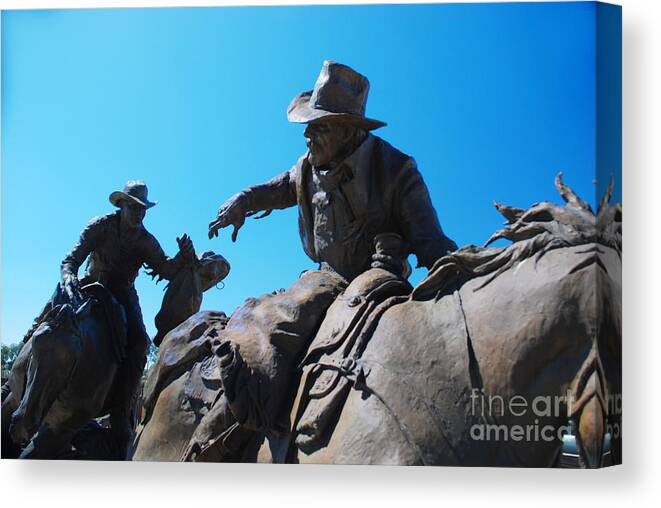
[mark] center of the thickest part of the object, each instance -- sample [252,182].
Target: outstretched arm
[277,193]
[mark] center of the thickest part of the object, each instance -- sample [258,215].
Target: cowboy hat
[339,95]
[135,190]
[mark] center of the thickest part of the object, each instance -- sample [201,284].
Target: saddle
[333,363]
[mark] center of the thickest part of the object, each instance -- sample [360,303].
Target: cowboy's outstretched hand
[232,212]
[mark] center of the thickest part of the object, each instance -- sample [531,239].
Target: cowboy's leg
[127,380]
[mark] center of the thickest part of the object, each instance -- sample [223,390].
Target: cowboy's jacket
[115,258]
[377,189]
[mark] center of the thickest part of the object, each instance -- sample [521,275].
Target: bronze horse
[64,373]
[485,363]
[496,351]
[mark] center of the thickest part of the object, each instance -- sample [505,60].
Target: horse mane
[534,232]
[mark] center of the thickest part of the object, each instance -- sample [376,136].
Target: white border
[636,483]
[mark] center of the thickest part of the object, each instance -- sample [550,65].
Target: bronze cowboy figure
[349,186]
[117,245]
[354,192]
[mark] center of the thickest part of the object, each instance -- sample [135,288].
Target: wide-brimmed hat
[135,190]
[339,95]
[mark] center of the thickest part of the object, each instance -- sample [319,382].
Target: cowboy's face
[132,214]
[325,141]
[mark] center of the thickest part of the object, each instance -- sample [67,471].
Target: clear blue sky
[492,101]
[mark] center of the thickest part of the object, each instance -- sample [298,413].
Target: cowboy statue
[350,186]
[117,245]
[362,206]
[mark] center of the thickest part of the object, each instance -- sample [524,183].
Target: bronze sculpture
[91,332]
[351,364]
[350,187]
[118,244]
[440,371]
